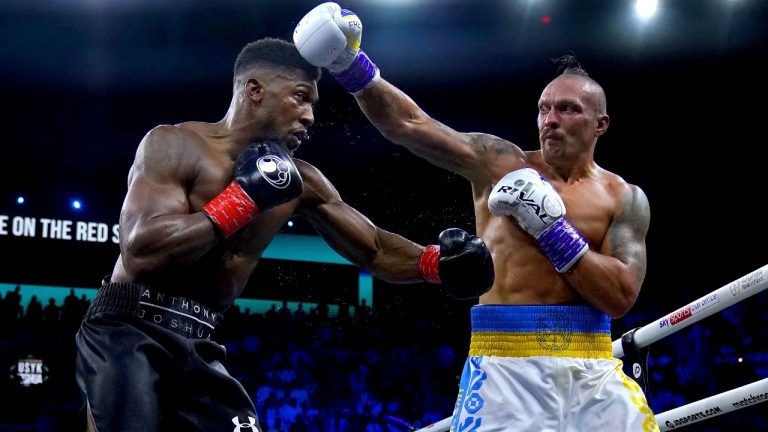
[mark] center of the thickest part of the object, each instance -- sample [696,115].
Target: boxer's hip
[181,315]
[546,368]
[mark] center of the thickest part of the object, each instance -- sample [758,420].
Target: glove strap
[359,74]
[428,264]
[231,209]
[562,244]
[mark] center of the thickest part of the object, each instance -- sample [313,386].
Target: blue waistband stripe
[529,318]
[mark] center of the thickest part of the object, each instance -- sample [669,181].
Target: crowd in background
[363,370]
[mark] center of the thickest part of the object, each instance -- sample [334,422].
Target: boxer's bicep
[147,199]
[351,234]
[156,226]
[386,255]
[345,229]
[403,122]
[626,234]
[157,181]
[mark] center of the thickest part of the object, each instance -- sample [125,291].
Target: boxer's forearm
[611,278]
[605,282]
[386,255]
[396,259]
[167,241]
[392,112]
[402,122]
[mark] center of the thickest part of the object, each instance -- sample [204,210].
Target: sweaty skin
[610,213]
[165,239]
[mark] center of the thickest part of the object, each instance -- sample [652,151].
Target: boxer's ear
[255,90]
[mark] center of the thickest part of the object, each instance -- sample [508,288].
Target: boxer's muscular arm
[330,37]
[611,278]
[386,255]
[156,230]
[402,121]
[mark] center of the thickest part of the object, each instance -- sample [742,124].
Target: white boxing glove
[538,208]
[329,36]
[318,37]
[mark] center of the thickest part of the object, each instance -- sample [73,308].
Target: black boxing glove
[265,177]
[460,262]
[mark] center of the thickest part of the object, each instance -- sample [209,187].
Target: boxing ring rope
[697,310]
[714,302]
[712,406]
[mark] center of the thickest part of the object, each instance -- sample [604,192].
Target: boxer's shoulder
[173,145]
[316,184]
[164,158]
[308,171]
[623,192]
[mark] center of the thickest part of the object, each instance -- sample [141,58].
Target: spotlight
[76,204]
[20,200]
[290,224]
[646,8]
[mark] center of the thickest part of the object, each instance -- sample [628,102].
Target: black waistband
[181,315]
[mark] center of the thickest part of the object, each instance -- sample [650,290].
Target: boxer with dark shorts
[540,355]
[155,347]
[203,202]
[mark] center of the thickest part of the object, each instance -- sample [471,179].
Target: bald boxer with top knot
[567,239]
[204,201]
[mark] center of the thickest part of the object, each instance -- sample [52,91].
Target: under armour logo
[251,425]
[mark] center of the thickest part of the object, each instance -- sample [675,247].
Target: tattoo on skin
[484,143]
[443,129]
[627,232]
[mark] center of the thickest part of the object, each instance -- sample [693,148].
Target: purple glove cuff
[562,244]
[358,74]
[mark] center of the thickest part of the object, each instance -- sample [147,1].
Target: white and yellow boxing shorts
[546,368]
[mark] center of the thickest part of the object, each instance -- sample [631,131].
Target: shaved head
[570,67]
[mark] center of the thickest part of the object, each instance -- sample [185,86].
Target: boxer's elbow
[407,129]
[623,302]
[140,259]
[140,265]
[617,311]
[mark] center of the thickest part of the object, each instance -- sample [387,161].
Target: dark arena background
[82,81]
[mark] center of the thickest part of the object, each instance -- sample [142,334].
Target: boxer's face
[567,118]
[287,109]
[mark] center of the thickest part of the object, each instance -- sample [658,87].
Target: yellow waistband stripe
[540,330]
[544,343]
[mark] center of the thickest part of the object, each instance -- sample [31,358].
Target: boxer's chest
[590,208]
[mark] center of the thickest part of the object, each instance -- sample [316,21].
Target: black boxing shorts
[146,361]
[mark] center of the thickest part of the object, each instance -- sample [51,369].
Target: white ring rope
[712,406]
[695,311]
[714,302]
